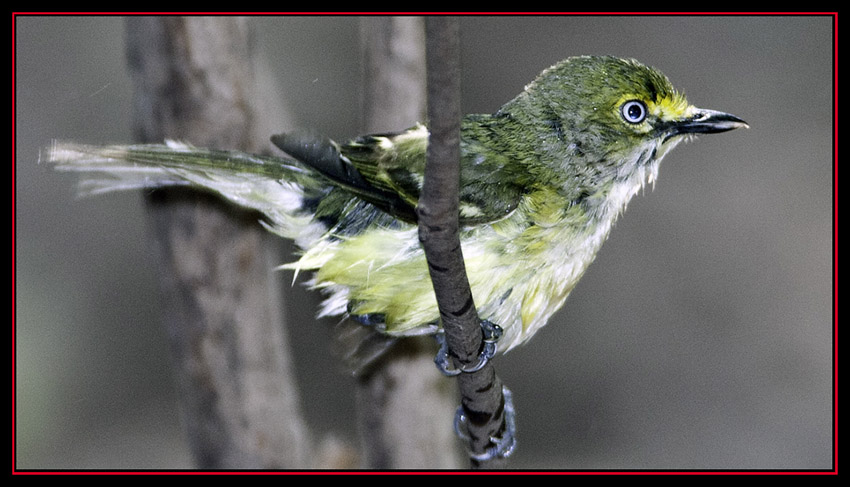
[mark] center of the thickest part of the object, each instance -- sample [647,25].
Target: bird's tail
[284,191]
[279,188]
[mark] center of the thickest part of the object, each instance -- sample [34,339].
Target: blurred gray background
[701,338]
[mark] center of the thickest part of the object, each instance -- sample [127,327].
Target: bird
[542,182]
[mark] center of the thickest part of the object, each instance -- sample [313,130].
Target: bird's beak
[707,122]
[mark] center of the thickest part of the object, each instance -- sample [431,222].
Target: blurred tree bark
[195,81]
[405,405]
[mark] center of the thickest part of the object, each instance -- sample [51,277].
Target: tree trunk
[405,405]
[195,81]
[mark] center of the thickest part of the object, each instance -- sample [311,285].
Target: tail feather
[276,187]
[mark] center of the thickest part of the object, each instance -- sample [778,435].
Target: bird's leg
[492,333]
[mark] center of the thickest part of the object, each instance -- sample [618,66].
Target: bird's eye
[633,111]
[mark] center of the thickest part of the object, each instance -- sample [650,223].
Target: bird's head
[612,113]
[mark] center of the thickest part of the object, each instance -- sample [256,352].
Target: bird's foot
[504,444]
[492,333]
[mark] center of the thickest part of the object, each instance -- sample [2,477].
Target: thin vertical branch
[194,81]
[403,402]
[481,391]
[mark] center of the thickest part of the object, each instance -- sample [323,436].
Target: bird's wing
[352,167]
[387,170]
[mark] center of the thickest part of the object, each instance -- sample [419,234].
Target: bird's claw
[503,445]
[492,333]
